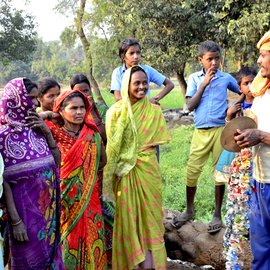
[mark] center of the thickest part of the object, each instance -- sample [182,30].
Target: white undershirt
[261,152]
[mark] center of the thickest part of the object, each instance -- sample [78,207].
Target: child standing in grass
[130,55]
[207,95]
[241,106]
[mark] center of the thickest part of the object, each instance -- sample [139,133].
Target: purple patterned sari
[33,177]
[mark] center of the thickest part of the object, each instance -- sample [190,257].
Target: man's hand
[247,137]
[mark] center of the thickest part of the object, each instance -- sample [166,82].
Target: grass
[173,160]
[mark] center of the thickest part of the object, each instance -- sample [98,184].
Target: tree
[17,34]
[52,59]
[247,22]
[80,19]
[168,30]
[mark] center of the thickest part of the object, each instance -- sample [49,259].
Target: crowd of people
[82,183]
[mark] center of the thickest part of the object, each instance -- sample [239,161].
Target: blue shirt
[211,111]
[153,77]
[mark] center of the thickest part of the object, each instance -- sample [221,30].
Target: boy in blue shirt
[130,55]
[207,96]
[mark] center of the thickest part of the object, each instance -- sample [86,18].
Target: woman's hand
[20,233]
[36,122]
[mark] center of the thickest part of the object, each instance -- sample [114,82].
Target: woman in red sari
[83,235]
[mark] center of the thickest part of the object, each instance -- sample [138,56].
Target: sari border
[28,165]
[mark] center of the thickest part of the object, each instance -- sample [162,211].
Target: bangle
[226,120]
[17,223]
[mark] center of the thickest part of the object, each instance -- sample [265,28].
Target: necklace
[76,133]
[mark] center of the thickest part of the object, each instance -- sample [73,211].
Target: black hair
[208,46]
[46,84]
[29,85]
[71,96]
[125,45]
[78,78]
[137,68]
[244,72]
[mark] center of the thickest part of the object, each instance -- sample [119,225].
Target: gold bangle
[17,223]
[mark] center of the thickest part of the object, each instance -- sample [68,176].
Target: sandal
[180,220]
[214,227]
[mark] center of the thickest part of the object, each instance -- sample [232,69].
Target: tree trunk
[181,80]
[222,64]
[87,51]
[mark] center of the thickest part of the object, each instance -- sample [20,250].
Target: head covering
[74,158]
[260,84]
[87,119]
[264,42]
[19,143]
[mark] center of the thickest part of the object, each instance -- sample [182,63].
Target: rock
[178,117]
[192,243]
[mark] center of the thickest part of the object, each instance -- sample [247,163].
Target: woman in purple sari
[31,180]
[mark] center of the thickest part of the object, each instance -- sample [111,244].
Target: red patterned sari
[83,235]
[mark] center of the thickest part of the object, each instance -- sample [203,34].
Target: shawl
[122,141]
[122,147]
[19,143]
[260,84]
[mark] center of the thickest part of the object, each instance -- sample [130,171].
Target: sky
[50,23]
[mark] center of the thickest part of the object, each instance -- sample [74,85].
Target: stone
[192,243]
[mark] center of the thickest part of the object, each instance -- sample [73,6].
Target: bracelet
[226,120]
[17,223]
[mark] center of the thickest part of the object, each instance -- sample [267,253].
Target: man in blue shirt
[207,95]
[130,55]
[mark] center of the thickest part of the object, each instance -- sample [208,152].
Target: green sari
[133,174]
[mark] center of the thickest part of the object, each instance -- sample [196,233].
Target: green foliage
[17,34]
[68,37]
[52,59]
[173,161]
[13,70]
[169,31]
[246,22]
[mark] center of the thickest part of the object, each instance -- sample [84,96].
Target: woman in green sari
[134,127]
